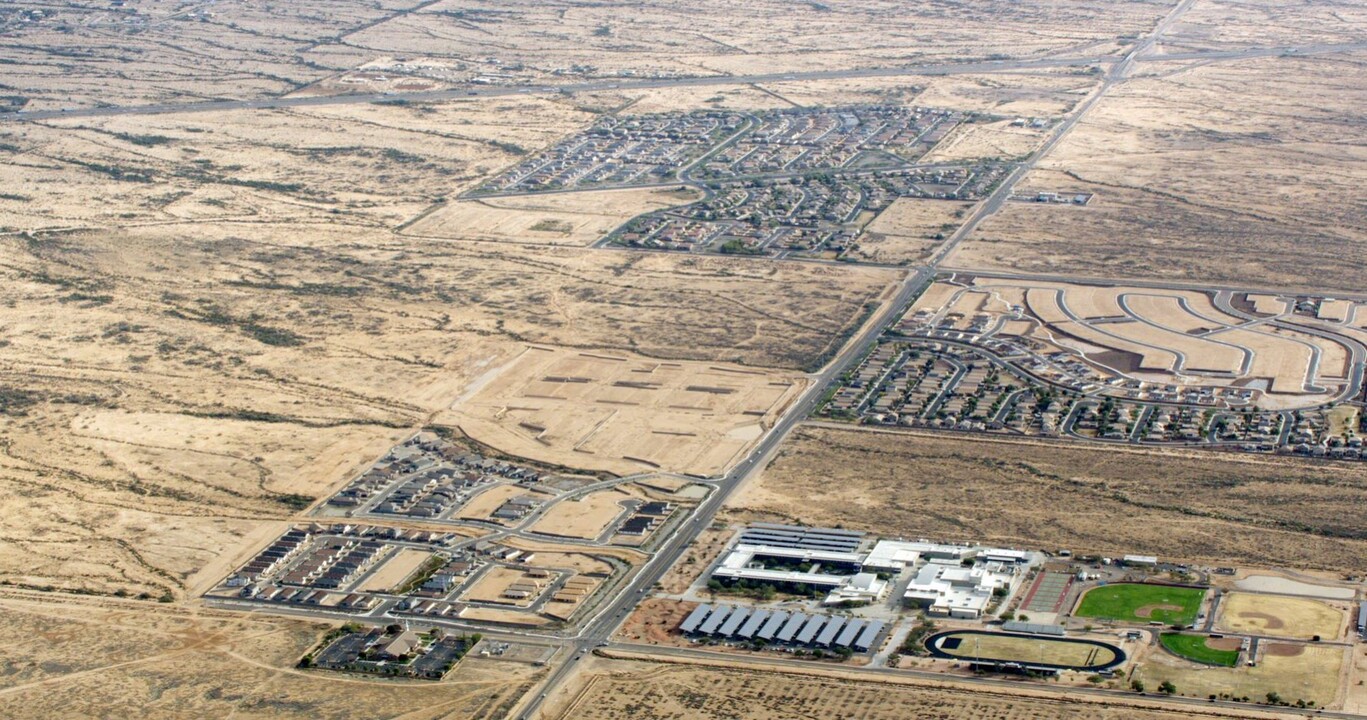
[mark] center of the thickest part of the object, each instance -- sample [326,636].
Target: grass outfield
[1134,602]
[1194,647]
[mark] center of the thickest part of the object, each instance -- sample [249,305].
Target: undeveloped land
[1196,506]
[578,218]
[622,413]
[584,517]
[1241,173]
[103,658]
[634,690]
[909,229]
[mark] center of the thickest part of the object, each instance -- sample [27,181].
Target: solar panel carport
[847,636]
[695,618]
[772,626]
[868,636]
[753,625]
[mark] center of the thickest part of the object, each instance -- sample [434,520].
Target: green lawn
[1125,601]
[1193,647]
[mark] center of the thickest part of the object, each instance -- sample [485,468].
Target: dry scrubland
[632,690]
[88,658]
[88,54]
[579,218]
[166,392]
[1202,507]
[362,165]
[1040,93]
[716,37]
[1225,24]
[161,52]
[1245,173]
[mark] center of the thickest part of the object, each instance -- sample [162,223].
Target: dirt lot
[396,569]
[909,229]
[81,658]
[584,517]
[999,139]
[1258,189]
[1197,506]
[622,413]
[490,587]
[579,218]
[622,689]
[1288,617]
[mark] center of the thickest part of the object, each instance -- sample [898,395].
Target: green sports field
[1195,647]
[1134,602]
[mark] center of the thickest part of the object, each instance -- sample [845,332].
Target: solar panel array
[804,538]
[782,627]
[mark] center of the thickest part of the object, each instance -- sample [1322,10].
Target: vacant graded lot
[637,690]
[1199,506]
[394,571]
[578,218]
[909,229]
[622,413]
[584,517]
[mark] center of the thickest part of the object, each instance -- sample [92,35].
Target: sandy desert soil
[1200,507]
[579,218]
[1243,173]
[362,165]
[162,52]
[196,385]
[622,413]
[621,689]
[909,230]
[82,658]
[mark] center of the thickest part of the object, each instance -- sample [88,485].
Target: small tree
[1274,698]
[1137,685]
[1167,688]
